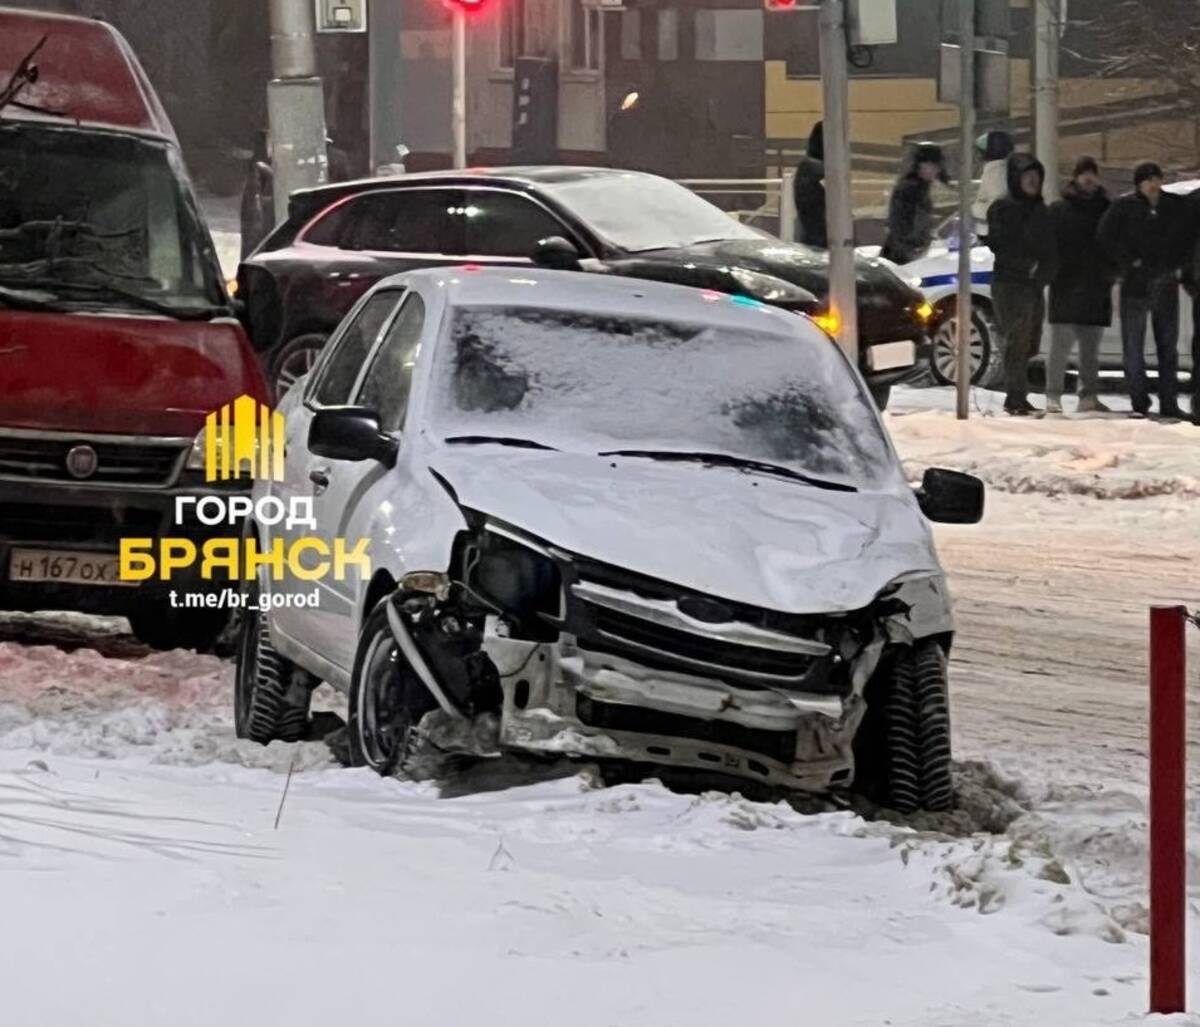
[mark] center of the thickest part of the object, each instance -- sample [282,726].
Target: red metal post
[1168,843]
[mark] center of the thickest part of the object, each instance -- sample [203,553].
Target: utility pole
[458,105]
[966,220]
[1047,22]
[835,88]
[295,103]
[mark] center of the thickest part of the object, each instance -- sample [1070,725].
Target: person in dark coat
[910,211]
[809,190]
[1021,235]
[1145,233]
[1081,293]
[258,196]
[1191,282]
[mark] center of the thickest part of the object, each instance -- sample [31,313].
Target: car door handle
[320,478]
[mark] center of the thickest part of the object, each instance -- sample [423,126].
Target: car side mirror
[351,433]
[951,497]
[558,253]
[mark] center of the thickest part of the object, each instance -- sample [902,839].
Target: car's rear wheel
[272,696]
[387,700]
[161,626]
[943,363]
[293,360]
[902,751]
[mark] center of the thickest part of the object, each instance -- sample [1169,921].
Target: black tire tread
[276,712]
[933,718]
[903,739]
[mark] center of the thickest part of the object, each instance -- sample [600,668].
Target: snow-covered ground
[146,880]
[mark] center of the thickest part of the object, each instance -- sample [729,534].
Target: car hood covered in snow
[744,537]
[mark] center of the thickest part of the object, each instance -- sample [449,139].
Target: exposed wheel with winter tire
[903,749]
[272,696]
[293,360]
[943,364]
[387,700]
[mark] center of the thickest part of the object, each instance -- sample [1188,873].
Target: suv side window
[351,348]
[501,224]
[331,228]
[388,383]
[405,221]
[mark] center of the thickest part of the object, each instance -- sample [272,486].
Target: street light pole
[1047,34]
[966,220]
[835,88]
[295,103]
[458,107]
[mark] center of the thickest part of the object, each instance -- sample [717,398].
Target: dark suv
[339,240]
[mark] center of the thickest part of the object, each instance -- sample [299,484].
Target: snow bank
[1100,457]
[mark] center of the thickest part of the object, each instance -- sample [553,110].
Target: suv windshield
[601,383]
[92,219]
[644,212]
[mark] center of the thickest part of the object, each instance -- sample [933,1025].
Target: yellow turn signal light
[829,323]
[925,312]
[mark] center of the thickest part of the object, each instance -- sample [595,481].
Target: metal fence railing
[766,203]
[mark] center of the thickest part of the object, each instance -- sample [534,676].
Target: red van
[117,336]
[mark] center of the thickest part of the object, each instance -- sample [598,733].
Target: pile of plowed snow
[1102,457]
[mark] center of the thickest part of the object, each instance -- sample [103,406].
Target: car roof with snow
[87,75]
[467,285]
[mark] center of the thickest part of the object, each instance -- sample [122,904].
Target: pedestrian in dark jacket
[1145,234]
[809,190]
[258,198]
[910,212]
[1021,236]
[1191,282]
[1081,293]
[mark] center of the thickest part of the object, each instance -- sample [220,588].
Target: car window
[502,224]
[405,221]
[388,382]
[331,228]
[344,363]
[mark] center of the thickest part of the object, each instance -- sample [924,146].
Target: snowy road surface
[145,883]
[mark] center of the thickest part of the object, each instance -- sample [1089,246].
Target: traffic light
[782,5]
[469,6]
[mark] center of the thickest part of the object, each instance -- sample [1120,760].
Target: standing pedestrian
[1021,236]
[1191,282]
[910,211]
[809,191]
[995,148]
[1145,235]
[1081,293]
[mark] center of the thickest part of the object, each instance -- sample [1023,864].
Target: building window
[668,34]
[512,32]
[584,35]
[729,35]
[631,35]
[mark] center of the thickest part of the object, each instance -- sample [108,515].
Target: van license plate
[65,567]
[890,355]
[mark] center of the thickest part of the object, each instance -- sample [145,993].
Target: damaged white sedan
[613,519]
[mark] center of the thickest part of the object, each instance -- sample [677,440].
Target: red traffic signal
[782,5]
[467,5]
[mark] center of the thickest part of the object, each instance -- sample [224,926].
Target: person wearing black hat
[910,212]
[809,190]
[1081,293]
[1145,233]
[1021,236]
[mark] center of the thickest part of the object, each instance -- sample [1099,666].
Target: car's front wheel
[902,751]
[272,696]
[293,360]
[387,699]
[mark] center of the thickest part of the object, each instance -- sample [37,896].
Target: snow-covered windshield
[595,383]
[640,212]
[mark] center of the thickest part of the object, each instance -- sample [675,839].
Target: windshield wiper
[59,286]
[736,462]
[496,440]
[20,299]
